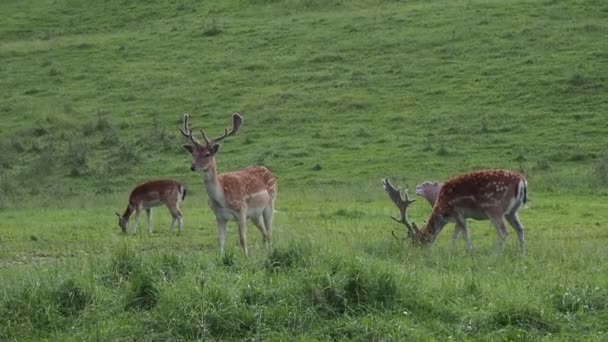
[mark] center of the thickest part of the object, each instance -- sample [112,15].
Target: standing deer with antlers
[498,194]
[240,195]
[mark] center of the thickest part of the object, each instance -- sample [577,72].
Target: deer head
[402,204]
[203,153]
[429,191]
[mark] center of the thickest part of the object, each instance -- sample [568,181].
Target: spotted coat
[494,191]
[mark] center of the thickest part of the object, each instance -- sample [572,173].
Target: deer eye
[207,154]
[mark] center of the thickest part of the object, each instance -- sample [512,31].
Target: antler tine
[186,131]
[237,121]
[402,204]
[205,137]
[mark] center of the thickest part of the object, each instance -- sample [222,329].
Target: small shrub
[6,157]
[212,28]
[75,159]
[543,165]
[7,187]
[127,155]
[39,130]
[317,167]
[110,137]
[18,145]
[102,122]
[443,150]
[601,170]
[580,81]
[352,214]
[44,163]
[143,293]
[68,108]
[428,146]
[71,299]
[521,156]
[260,160]
[484,126]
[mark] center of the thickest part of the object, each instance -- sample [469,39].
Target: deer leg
[180,221]
[176,216]
[221,231]
[172,224]
[461,223]
[513,219]
[242,222]
[267,216]
[455,235]
[149,219]
[257,221]
[137,213]
[501,230]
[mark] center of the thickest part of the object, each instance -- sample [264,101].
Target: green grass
[336,95]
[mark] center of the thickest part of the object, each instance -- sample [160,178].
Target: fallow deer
[249,193]
[430,191]
[151,194]
[497,194]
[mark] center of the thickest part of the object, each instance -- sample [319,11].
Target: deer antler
[402,204]
[187,132]
[237,121]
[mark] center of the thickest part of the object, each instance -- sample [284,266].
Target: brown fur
[492,191]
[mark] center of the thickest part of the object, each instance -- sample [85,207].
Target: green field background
[336,95]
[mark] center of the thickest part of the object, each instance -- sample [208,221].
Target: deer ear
[188,148]
[215,148]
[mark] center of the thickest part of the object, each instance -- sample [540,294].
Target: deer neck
[432,228]
[128,212]
[213,185]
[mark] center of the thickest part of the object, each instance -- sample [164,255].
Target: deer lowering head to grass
[497,194]
[245,194]
[430,191]
[151,194]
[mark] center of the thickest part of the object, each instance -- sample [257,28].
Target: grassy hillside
[335,95]
[332,92]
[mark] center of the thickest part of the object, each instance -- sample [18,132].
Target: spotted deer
[249,193]
[498,194]
[151,194]
[430,191]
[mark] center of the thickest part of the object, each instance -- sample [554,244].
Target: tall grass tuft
[71,298]
[125,262]
[281,258]
[29,309]
[143,292]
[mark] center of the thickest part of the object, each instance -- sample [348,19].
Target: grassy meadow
[336,95]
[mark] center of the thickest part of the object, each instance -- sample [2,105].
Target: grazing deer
[430,191]
[245,194]
[151,194]
[497,194]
